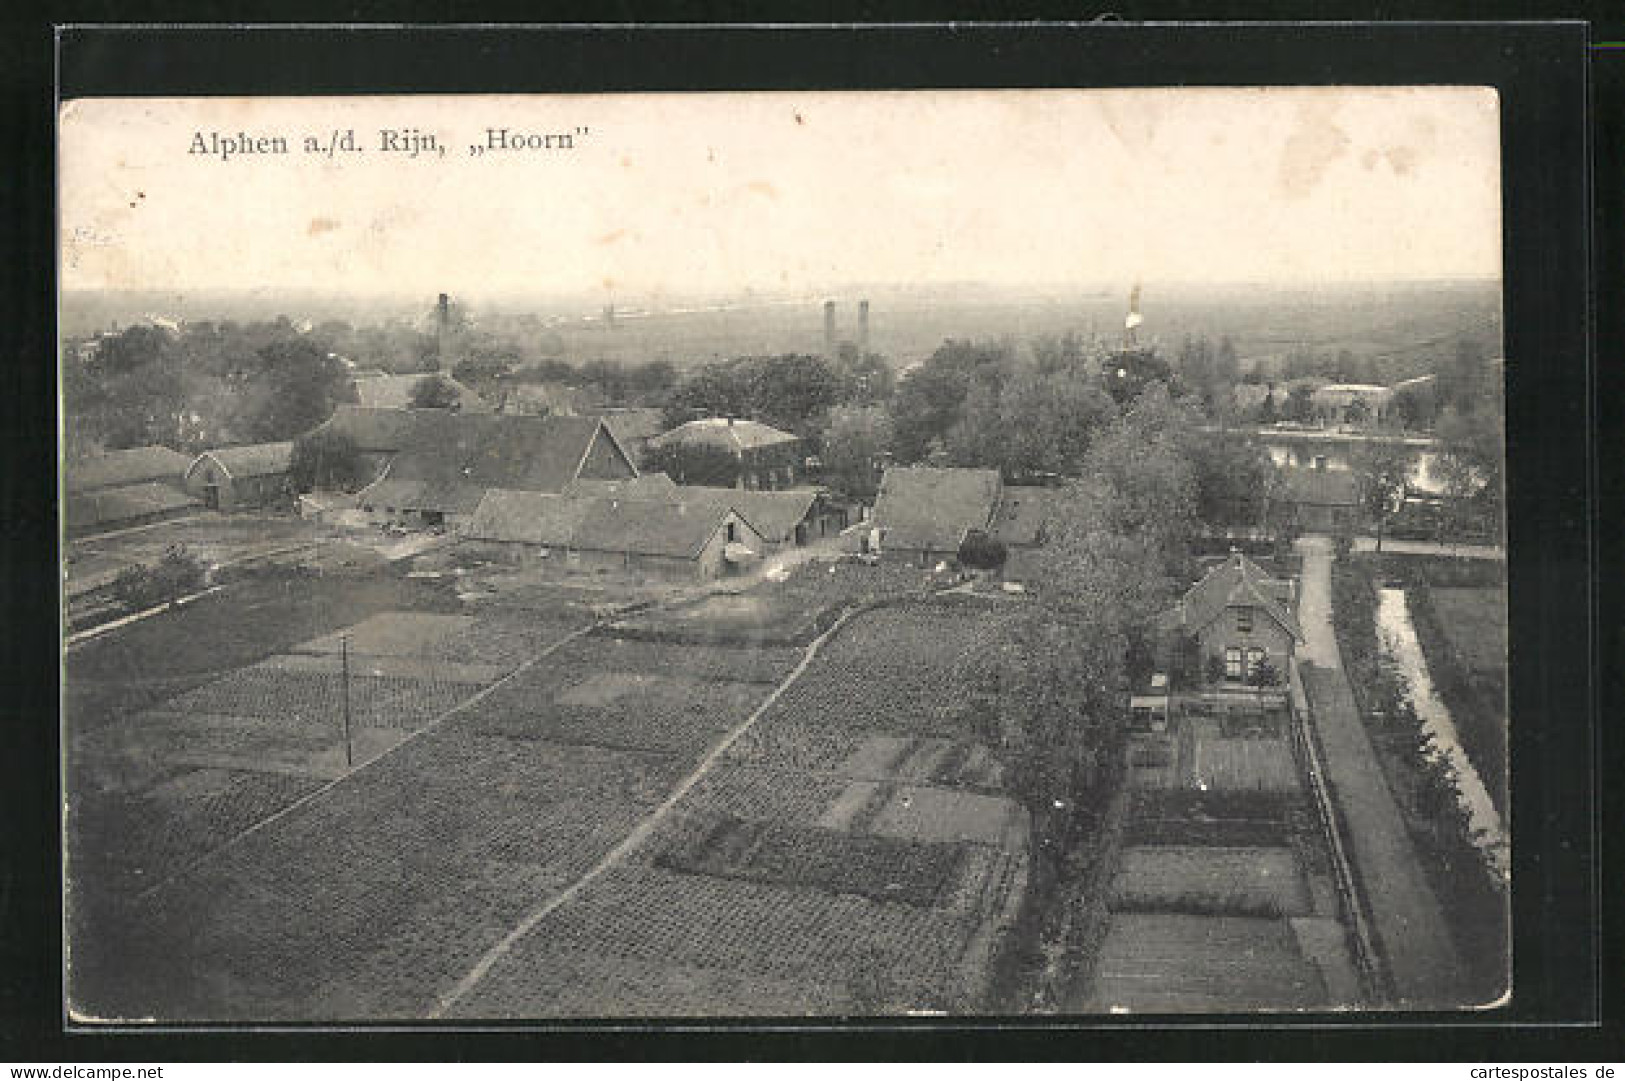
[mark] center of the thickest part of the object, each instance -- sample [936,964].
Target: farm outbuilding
[923,514]
[767,457]
[448,461]
[124,488]
[1322,500]
[599,534]
[231,478]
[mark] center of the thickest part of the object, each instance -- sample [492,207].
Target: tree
[856,443]
[694,464]
[1300,404]
[434,392]
[1358,412]
[1384,470]
[982,551]
[1266,409]
[929,398]
[328,460]
[1236,481]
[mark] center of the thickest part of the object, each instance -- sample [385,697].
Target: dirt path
[635,838]
[1409,922]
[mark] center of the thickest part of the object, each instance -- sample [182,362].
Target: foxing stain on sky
[781,191]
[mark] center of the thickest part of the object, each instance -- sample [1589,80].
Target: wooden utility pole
[344,655]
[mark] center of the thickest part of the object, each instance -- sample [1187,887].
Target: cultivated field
[1475,621]
[851,853]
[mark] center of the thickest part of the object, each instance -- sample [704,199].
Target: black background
[1560,107]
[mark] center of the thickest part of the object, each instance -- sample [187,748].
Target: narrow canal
[1398,634]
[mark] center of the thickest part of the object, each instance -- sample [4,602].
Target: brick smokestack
[442,324]
[829,328]
[863,328]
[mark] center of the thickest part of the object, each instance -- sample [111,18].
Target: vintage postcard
[783,555]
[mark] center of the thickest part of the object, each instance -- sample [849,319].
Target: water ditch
[1398,636]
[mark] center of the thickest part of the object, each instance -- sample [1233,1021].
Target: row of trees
[210,384]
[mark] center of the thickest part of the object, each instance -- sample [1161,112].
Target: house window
[1255,657]
[1244,620]
[733,532]
[1232,664]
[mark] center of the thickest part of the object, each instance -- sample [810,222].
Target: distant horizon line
[832,292]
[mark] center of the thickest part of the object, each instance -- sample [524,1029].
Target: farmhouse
[922,514]
[446,462]
[1232,621]
[784,519]
[1351,403]
[124,488]
[599,534]
[232,477]
[767,457]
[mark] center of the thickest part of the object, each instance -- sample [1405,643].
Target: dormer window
[1244,620]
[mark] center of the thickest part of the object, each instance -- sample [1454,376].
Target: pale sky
[788,191]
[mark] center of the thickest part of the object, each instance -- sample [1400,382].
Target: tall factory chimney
[442,325]
[1133,319]
[829,328]
[863,328]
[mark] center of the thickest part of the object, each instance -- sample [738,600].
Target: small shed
[232,478]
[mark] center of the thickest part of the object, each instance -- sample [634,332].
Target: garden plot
[1196,964]
[1242,764]
[880,868]
[938,815]
[161,737]
[586,982]
[740,665]
[632,710]
[392,634]
[317,698]
[762,933]
[127,841]
[1475,621]
[933,761]
[763,793]
[407,872]
[1210,880]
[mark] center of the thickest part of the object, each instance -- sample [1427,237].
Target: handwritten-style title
[406,143]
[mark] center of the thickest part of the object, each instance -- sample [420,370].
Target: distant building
[1322,500]
[124,488]
[1351,403]
[231,478]
[607,535]
[784,519]
[768,458]
[1232,621]
[444,463]
[922,514]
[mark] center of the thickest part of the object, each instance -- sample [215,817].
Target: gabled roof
[257,460]
[920,507]
[109,506]
[1238,582]
[643,486]
[775,515]
[447,461]
[730,433]
[527,517]
[1023,512]
[1321,487]
[632,425]
[639,526]
[395,391]
[122,467]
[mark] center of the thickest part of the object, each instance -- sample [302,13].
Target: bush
[326,459]
[982,552]
[176,575]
